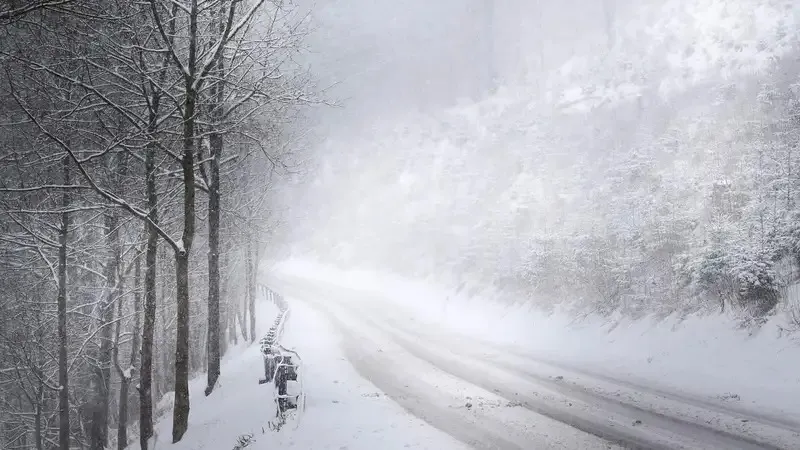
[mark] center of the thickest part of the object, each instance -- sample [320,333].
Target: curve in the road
[640,435]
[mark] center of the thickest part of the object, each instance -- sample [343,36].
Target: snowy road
[493,397]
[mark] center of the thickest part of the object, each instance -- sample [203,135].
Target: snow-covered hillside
[653,174]
[672,46]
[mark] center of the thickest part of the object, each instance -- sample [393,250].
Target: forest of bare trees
[138,145]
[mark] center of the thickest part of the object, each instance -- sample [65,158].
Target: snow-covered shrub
[758,293]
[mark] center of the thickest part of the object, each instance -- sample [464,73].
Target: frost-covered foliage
[656,174]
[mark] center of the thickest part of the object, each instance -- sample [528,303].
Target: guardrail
[282,367]
[275,333]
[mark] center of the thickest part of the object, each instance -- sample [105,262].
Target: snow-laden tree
[126,112]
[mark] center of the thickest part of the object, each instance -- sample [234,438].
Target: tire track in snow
[434,405]
[742,414]
[419,399]
[642,427]
[761,431]
[651,420]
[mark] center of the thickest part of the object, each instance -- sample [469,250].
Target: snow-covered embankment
[342,409]
[703,356]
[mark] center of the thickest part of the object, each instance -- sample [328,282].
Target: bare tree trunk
[149,318]
[213,267]
[100,406]
[126,375]
[37,420]
[225,309]
[180,419]
[242,309]
[216,144]
[251,285]
[63,382]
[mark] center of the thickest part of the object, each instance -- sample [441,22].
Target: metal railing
[282,367]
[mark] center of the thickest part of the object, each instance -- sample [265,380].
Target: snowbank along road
[492,397]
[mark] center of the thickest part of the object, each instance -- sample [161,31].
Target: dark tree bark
[149,317]
[213,266]
[125,378]
[151,253]
[225,306]
[99,427]
[216,144]
[126,374]
[37,420]
[63,382]
[180,419]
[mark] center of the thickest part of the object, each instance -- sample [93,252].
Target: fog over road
[493,397]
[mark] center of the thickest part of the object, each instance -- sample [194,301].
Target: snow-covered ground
[704,358]
[343,411]
[707,357]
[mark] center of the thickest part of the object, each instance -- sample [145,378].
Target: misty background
[610,155]
[162,162]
